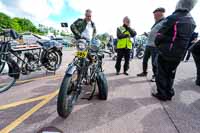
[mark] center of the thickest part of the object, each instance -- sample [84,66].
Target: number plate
[81,54]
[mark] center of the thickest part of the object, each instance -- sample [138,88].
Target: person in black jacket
[172,41]
[196,55]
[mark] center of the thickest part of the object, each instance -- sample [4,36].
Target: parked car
[62,41]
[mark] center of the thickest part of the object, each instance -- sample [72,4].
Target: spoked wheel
[54,60]
[6,80]
[67,95]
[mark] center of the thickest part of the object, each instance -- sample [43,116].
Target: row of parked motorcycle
[84,70]
[136,51]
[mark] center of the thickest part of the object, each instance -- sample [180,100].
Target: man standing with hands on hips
[124,45]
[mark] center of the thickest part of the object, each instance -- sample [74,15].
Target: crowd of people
[169,40]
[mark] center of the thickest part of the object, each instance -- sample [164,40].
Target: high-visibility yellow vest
[125,42]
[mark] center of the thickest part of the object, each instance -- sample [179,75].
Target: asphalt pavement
[30,105]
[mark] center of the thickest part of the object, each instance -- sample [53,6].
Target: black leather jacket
[173,38]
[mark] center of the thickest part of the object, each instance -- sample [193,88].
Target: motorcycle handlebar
[10,33]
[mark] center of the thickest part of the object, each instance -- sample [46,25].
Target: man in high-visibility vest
[124,45]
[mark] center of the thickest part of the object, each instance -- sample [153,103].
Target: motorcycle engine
[31,59]
[30,56]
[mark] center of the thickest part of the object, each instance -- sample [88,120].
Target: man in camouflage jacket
[84,28]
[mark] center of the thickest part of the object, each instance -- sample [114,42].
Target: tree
[23,25]
[16,25]
[5,21]
[63,33]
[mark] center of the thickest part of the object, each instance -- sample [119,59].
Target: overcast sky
[107,14]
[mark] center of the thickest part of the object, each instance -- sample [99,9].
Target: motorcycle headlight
[81,45]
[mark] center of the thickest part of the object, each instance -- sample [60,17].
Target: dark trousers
[132,53]
[166,71]
[120,54]
[149,52]
[197,62]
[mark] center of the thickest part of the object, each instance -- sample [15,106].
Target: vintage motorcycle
[23,59]
[85,69]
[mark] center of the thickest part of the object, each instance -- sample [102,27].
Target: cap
[160,9]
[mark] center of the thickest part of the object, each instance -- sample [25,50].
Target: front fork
[80,68]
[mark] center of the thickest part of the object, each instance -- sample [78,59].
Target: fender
[71,69]
[57,49]
[14,70]
[60,52]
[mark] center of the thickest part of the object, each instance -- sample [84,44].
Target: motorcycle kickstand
[91,96]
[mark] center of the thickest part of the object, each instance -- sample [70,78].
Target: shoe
[143,74]
[153,79]
[117,73]
[126,73]
[160,97]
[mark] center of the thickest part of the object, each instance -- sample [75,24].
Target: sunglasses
[88,16]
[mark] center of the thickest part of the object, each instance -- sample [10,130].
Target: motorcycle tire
[102,86]
[6,81]
[48,65]
[65,100]
[140,54]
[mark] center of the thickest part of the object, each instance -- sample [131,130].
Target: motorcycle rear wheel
[102,85]
[54,60]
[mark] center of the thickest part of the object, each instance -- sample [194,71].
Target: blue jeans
[150,52]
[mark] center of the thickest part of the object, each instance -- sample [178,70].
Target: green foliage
[18,24]
[63,33]
[104,38]
[5,21]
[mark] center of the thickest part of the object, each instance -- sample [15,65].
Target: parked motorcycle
[23,59]
[139,51]
[85,69]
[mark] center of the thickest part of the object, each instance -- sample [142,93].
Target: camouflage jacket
[79,26]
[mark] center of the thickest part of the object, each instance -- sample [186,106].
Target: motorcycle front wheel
[6,80]
[67,95]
